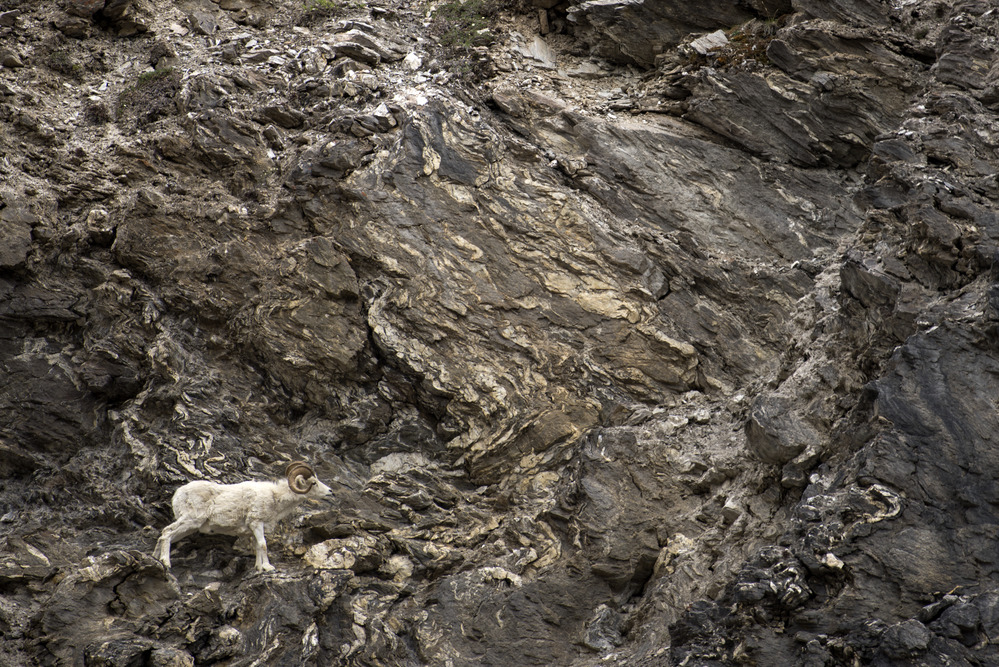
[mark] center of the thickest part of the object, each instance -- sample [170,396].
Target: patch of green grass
[317,11]
[62,61]
[461,29]
[460,25]
[321,5]
[147,78]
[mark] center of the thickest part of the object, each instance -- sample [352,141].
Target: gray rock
[9,18]
[775,434]
[73,26]
[539,51]
[380,120]
[117,10]
[10,60]
[283,116]
[906,640]
[261,56]
[15,228]
[170,657]
[713,41]
[83,8]
[357,52]
[603,631]
[118,653]
[636,31]
[588,70]
[202,23]
[366,36]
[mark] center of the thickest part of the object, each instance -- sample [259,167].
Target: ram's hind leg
[177,530]
[262,563]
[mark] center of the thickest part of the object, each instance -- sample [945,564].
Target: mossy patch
[461,25]
[61,60]
[460,28]
[153,96]
[747,45]
[315,12]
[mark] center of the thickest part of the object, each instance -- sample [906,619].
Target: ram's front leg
[177,530]
[262,564]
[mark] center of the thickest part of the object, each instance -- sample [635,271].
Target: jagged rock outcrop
[638,31]
[614,351]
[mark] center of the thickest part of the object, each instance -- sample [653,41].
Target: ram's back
[221,508]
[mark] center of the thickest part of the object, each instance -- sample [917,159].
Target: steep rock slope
[615,348]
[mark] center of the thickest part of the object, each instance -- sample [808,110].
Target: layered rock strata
[614,350]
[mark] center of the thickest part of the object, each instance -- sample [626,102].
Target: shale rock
[667,336]
[637,31]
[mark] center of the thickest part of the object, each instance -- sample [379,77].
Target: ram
[247,508]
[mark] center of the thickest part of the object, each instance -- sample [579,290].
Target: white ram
[246,508]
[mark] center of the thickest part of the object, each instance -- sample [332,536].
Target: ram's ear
[301,477]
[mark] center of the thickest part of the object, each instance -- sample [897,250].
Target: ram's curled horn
[301,478]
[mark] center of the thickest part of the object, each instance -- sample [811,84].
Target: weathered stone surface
[84,8]
[115,10]
[637,31]
[367,36]
[713,41]
[73,26]
[286,118]
[203,23]
[775,434]
[630,354]
[15,228]
[356,51]
[9,18]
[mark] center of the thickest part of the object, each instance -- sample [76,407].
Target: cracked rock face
[614,349]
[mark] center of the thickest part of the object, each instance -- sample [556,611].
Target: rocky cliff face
[626,332]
